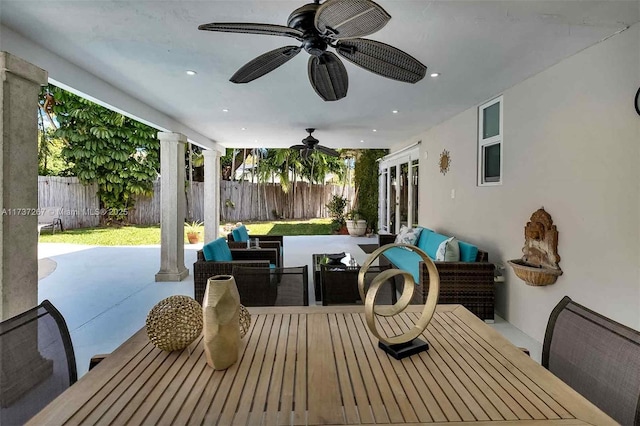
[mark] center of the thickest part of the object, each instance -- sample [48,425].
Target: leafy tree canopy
[366,183]
[121,155]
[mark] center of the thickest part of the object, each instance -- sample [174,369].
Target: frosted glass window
[492,163]
[491,121]
[490,142]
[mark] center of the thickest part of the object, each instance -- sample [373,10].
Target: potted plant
[356,226]
[336,210]
[193,231]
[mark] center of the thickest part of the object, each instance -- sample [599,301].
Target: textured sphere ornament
[245,321]
[370,310]
[174,323]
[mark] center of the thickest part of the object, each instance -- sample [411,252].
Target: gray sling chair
[597,357]
[37,362]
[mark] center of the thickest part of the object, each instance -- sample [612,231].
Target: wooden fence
[239,201]
[79,205]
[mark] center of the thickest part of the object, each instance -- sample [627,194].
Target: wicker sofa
[205,269]
[469,283]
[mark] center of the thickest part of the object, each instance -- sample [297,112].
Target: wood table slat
[504,403]
[344,376]
[375,382]
[288,382]
[259,402]
[506,379]
[407,387]
[325,405]
[309,365]
[275,386]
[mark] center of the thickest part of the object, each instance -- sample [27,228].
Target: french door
[398,190]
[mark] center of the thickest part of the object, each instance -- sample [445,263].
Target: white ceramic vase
[221,311]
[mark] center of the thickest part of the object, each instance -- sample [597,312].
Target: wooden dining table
[322,365]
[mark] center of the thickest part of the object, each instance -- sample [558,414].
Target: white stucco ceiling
[144,48]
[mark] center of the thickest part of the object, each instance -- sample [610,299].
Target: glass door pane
[393,193]
[414,192]
[404,194]
[383,210]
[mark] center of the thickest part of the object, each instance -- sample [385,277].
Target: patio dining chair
[37,362]
[260,286]
[597,357]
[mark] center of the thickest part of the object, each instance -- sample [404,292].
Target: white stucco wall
[572,145]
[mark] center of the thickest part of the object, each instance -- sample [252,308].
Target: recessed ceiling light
[244,128]
[435,74]
[361,140]
[225,110]
[395,111]
[375,130]
[191,72]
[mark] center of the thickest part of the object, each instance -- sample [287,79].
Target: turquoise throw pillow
[217,251]
[468,252]
[240,234]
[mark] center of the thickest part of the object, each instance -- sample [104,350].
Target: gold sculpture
[221,311]
[398,343]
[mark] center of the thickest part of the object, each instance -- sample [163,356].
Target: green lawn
[135,235]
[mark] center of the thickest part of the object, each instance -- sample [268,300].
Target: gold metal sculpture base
[404,350]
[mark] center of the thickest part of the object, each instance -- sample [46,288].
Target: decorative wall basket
[221,312]
[539,264]
[406,344]
[174,323]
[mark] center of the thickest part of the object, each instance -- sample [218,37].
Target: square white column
[20,85]
[172,207]
[211,195]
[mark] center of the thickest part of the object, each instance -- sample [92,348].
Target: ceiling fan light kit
[338,24]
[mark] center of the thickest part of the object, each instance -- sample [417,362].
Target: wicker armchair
[265,241]
[469,284]
[263,245]
[203,269]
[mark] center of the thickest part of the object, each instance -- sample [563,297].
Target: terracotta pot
[193,237]
[221,313]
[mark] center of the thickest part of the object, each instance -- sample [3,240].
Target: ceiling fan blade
[350,18]
[298,147]
[252,28]
[264,64]
[327,151]
[328,76]
[382,59]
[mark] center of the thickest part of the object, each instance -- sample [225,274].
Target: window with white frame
[490,143]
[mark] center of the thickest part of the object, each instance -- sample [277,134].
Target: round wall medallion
[445,162]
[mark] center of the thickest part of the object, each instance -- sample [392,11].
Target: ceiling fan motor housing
[303,19]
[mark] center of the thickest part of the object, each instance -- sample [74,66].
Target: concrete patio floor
[105,293]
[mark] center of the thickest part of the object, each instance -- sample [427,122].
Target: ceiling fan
[309,144]
[335,23]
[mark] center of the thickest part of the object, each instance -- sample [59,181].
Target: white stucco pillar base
[172,207]
[211,195]
[20,86]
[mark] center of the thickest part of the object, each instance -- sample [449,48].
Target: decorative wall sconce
[539,264]
[445,162]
